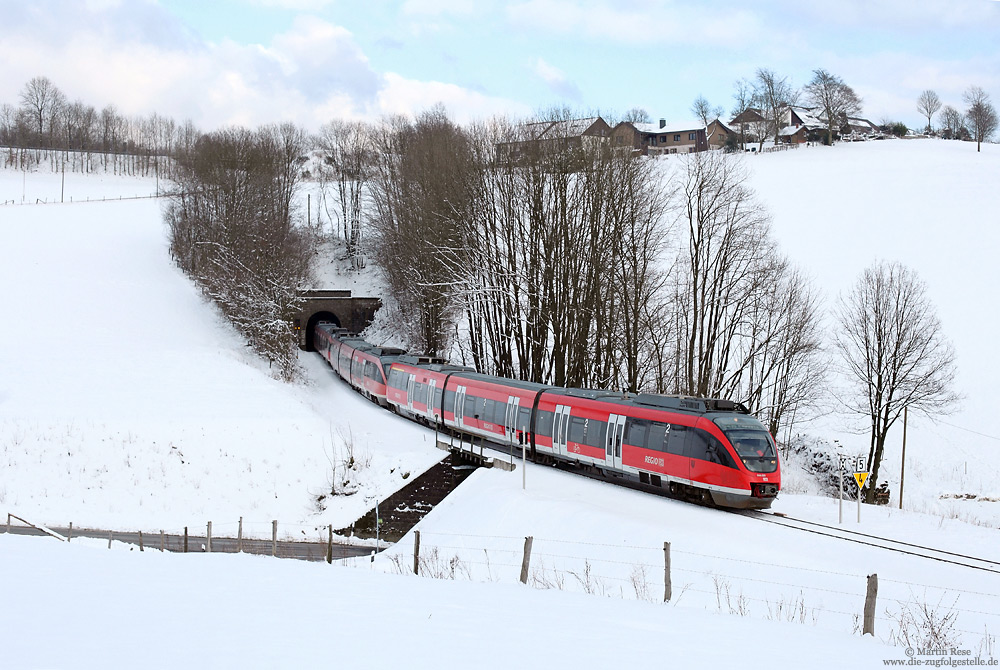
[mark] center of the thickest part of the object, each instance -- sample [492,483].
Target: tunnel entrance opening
[313,320]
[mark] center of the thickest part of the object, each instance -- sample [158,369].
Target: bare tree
[953,127]
[42,100]
[928,104]
[837,100]
[704,111]
[349,156]
[637,115]
[231,230]
[420,199]
[981,115]
[774,94]
[895,353]
[744,100]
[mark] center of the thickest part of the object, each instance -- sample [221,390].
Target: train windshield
[752,442]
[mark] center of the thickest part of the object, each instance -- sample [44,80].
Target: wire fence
[902,609]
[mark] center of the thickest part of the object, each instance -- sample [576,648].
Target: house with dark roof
[660,139]
[564,135]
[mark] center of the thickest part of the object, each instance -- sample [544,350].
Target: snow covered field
[931,205]
[126,402]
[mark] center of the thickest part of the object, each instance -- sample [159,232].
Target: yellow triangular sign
[861,478]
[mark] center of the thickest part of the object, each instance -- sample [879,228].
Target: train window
[543,423]
[701,445]
[676,439]
[419,393]
[596,432]
[469,411]
[437,398]
[500,413]
[524,419]
[577,427]
[489,410]
[657,437]
[449,400]
[635,432]
[752,442]
[401,378]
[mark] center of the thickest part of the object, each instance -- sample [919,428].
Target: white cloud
[438,7]
[138,58]
[294,5]
[408,96]
[556,80]
[639,21]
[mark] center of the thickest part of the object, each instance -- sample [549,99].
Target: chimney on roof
[663,122]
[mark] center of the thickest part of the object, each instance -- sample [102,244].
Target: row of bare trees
[979,122]
[233,230]
[46,120]
[580,266]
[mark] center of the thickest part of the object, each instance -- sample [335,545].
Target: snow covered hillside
[127,402]
[931,205]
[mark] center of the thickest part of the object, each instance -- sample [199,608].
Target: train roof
[514,383]
[677,403]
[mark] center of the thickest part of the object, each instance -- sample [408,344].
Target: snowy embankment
[127,402]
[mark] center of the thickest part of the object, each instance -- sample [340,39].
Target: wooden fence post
[239,538]
[274,537]
[109,539]
[869,624]
[69,533]
[208,537]
[185,539]
[8,523]
[667,592]
[329,546]
[162,541]
[416,552]
[140,541]
[526,561]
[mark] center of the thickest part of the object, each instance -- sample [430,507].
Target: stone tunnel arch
[313,320]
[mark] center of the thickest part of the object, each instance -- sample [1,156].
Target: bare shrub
[923,625]
[726,601]
[542,578]
[640,584]
[793,610]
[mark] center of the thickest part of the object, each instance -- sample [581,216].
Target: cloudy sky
[220,62]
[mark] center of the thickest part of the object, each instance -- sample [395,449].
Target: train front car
[758,457]
[684,446]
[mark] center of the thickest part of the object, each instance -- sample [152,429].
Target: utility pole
[902,467]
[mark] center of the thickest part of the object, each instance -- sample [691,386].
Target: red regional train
[709,450]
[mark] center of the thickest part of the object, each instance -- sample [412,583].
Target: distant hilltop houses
[749,131]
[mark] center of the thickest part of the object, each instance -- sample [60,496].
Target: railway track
[889,544]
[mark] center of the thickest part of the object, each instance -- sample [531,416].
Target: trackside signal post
[856,466]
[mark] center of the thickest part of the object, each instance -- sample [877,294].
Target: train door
[560,430]
[614,440]
[410,385]
[430,397]
[460,406]
[510,421]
